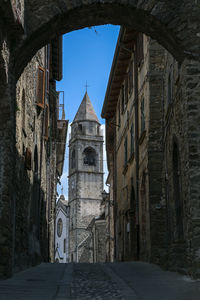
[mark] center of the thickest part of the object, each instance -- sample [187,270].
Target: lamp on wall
[106,197]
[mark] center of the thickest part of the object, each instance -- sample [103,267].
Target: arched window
[73,158]
[89,157]
[177,192]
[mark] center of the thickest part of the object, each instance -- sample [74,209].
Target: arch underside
[162,21]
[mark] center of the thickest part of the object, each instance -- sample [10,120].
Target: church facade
[62,231]
[85,179]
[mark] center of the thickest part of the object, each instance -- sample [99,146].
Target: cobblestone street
[99,281]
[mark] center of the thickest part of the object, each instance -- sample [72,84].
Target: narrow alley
[131,280]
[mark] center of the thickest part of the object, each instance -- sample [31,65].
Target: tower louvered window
[89,157]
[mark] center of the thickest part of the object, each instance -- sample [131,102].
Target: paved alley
[134,280]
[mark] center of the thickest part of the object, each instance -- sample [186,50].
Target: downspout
[137,152]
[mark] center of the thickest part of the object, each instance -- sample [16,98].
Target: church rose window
[89,157]
[59,227]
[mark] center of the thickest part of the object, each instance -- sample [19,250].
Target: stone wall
[31,176]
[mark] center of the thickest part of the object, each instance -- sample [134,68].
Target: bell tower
[85,178]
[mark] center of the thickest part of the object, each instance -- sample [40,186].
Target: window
[80,128]
[23,111]
[126,90]
[73,158]
[89,157]
[91,127]
[47,67]
[119,114]
[169,91]
[59,227]
[35,160]
[130,78]
[64,246]
[46,129]
[122,99]
[142,116]
[125,152]
[177,192]
[41,87]
[132,134]
[28,159]
[140,49]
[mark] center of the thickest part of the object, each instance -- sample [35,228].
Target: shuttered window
[41,87]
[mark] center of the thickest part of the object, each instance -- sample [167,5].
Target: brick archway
[173,25]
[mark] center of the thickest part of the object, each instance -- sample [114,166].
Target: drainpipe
[137,152]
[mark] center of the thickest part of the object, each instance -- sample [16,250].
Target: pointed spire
[86,110]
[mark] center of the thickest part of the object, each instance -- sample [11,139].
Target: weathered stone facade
[26,26]
[85,178]
[151,133]
[35,174]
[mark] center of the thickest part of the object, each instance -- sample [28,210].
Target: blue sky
[87,56]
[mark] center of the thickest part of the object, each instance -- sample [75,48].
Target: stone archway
[173,24]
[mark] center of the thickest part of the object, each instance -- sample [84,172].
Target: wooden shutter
[46,128]
[41,87]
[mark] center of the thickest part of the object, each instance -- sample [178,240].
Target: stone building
[147,153]
[85,177]
[62,231]
[37,156]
